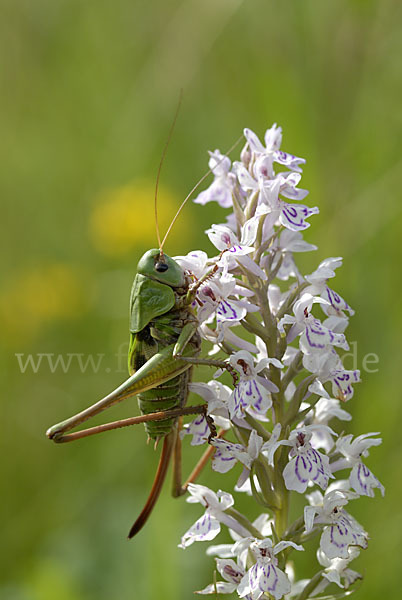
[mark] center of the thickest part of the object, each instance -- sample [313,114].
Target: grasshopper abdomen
[159,333]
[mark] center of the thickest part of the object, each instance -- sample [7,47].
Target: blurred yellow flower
[35,297]
[48,574]
[123,218]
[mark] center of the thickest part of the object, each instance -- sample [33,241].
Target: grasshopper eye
[161,267]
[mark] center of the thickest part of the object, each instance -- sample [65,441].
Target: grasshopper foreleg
[209,362]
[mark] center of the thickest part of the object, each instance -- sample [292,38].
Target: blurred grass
[88,90]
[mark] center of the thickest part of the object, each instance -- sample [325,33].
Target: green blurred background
[88,91]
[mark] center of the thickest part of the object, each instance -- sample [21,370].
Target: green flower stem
[244,284]
[278,398]
[237,208]
[286,307]
[270,260]
[273,489]
[242,520]
[267,318]
[261,248]
[263,471]
[251,205]
[302,413]
[258,240]
[227,348]
[303,538]
[250,278]
[296,528]
[253,325]
[297,399]
[292,371]
[258,497]
[281,514]
[312,584]
[273,273]
[242,435]
[281,348]
[265,481]
[262,432]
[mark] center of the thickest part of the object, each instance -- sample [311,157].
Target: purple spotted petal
[235,403]
[206,528]
[337,538]
[230,311]
[289,160]
[199,429]
[336,301]
[289,187]
[316,337]
[363,481]
[225,455]
[230,570]
[342,381]
[292,216]
[264,578]
[249,393]
[307,466]
[221,236]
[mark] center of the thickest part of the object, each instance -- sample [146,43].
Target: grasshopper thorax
[159,266]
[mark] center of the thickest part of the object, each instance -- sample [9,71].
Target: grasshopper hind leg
[167,450]
[172,447]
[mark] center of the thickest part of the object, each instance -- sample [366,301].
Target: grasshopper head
[161,267]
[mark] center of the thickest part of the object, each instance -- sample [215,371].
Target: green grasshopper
[164,345]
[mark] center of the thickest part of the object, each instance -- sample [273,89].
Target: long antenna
[160,168]
[197,185]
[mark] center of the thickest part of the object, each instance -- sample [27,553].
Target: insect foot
[55,433]
[211,424]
